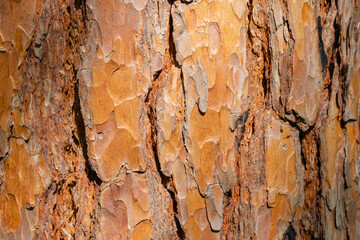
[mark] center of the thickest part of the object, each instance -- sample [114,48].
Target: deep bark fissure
[81,4]
[258,34]
[323,56]
[150,101]
[240,127]
[238,216]
[290,233]
[78,116]
[183,132]
[319,190]
[310,156]
[81,133]
[172,46]
[165,180]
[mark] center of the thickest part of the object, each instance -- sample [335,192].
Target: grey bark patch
[196,83]
[201,84]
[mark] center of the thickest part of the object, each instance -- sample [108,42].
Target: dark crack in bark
[90,172]
[150,101]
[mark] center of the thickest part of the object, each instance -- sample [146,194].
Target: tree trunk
[162,119]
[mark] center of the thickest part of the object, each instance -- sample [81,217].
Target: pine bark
[163,119]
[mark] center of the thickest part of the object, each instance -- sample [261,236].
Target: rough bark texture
[161,119]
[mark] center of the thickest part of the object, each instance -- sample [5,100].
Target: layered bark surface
[160,119]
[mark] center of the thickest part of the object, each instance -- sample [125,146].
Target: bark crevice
[150,102]
[81,133]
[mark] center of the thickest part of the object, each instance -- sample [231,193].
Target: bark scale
[179,119]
